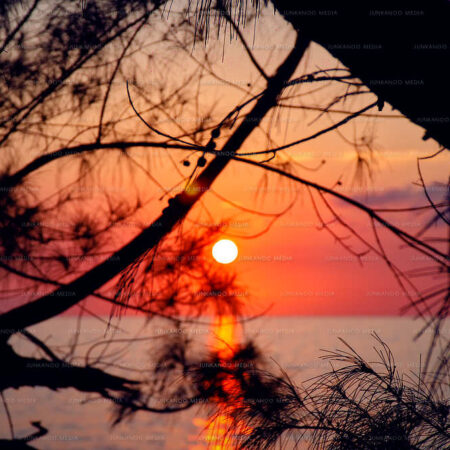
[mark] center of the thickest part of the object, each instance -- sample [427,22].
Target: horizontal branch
[41,161]
[19,371]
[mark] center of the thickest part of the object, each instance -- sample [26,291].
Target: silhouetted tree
[83,90]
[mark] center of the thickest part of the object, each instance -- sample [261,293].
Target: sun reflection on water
[214,432]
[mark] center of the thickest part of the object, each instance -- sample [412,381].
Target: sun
[225,251]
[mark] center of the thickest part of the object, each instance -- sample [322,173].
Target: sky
[295,266]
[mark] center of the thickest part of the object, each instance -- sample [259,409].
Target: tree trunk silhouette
[397,48]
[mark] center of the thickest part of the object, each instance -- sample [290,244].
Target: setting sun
[224,251]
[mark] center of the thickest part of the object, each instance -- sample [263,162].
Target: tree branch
[41,161]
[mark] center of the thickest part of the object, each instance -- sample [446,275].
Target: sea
[77,420]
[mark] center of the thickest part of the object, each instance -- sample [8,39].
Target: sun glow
[225,251]
[215,431]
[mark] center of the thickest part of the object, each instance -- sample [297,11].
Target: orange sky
[293,266]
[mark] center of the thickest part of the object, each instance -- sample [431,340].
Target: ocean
[76,421]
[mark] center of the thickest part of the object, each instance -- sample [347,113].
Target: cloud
[409,196]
